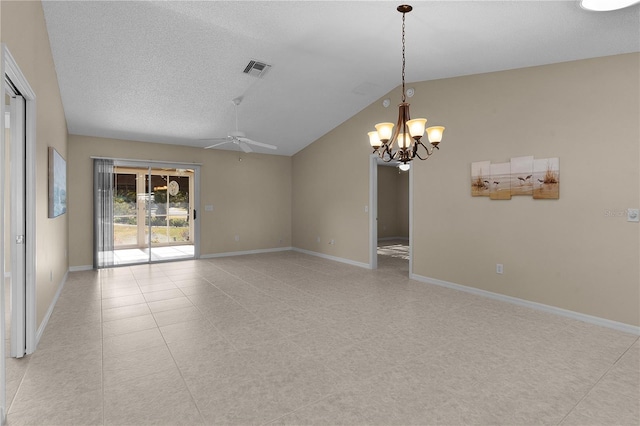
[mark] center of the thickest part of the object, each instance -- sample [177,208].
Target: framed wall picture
[546,178]
[500,188]
[57,184]
[480,178]
[522,175]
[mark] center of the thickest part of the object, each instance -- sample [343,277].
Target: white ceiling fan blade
[217,144]
[264,145]
[245,147]
[216,139]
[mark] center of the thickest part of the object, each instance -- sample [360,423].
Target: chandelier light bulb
[374,140]
[404,141]
[385,131]
[435,134]
[416,127]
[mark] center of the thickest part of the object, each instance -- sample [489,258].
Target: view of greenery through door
[155,201]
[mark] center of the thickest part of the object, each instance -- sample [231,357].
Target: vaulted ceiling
[167,71]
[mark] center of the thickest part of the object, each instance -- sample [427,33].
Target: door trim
[18,252]
[170,164]
[12,70]
[373,211]
[9,68]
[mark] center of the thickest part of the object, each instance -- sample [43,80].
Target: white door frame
[373,211]
[373,214]
[18,214]
[411,221]
[10,69]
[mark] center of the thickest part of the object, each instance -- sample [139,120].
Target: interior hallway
[287,338]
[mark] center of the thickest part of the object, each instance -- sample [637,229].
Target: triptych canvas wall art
[539,178]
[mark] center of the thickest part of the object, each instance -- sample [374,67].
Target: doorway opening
[393,219]
[390,217]
[146,213]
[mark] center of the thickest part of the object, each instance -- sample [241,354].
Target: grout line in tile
[597,382]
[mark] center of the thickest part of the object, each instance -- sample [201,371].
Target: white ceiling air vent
[256,68]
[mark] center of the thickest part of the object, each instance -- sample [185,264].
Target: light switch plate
[633,215]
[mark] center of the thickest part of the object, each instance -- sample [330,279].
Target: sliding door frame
[151,164]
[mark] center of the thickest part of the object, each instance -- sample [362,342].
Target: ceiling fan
[237,137]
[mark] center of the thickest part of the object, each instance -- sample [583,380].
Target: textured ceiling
[167,71]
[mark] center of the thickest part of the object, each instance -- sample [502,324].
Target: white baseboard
[603,322]
[393,238]
[80,268]
[334,258]
[242,253]
[52,305]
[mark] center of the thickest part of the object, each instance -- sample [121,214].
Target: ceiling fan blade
[217,144]
[264,145]
[245,147]
[216,139]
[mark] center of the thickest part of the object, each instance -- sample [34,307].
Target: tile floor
[290,339]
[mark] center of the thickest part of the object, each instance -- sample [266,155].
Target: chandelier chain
[403,61]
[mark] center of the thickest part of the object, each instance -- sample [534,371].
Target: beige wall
[566,253]
[393,203]
[25,34]
[251,198]
[330,193]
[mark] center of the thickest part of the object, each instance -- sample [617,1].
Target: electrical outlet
[332,242]
[633,215]
[237,237]
[318,239]
[499,268]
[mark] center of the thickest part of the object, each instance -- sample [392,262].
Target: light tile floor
[287,338]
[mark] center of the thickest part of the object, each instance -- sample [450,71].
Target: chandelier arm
[420,157]
[386,153]
[429,152]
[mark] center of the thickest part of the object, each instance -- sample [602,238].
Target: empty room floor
[287,338]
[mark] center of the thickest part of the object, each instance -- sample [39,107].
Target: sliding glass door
[153,213]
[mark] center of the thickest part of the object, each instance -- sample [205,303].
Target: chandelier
[408,132]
